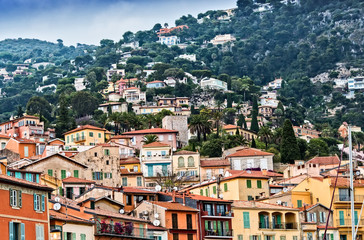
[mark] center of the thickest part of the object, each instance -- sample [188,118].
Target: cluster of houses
[93,184]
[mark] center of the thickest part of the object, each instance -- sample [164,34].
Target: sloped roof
[157,81]
[121,137]
[155,144]
[67,218]
[345,182]
[23,183]
[230,126]
[214,163]
[137,190]
[56,154]
[248,152]
[261,205]
[76,180]
[129,160]
[174,206]
[330,160]
[85,127]
[150,131]
[184,152]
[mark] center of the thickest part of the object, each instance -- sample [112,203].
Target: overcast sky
[89,21]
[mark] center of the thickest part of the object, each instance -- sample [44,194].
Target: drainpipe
[184,199]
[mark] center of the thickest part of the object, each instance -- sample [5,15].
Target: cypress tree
[237,132]
[289,147]
[254,124]
[254,145]
[241,121]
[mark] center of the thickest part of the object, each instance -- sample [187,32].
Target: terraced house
[87,135]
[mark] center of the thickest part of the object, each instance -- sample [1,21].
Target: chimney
[174,196]
[184,199]
[264,172]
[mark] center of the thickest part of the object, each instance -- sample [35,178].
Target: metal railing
[219,233]
[347,222]
[218,214]
[82,138]
[346,198]
[271,225]
[119,229]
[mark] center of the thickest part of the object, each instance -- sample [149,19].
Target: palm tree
[117,119]
[150,138]
[200,124]
[265,135]
[149,119]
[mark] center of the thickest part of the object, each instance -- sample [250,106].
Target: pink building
[164,135]
[312,168]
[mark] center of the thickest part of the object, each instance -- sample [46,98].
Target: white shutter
[314,217]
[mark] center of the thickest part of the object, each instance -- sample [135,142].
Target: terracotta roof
[345,182]
[155,144]
[230,126]
[126,172]
[4,136]
[272,174]
[330,160]
[129,160]
[174,206]
[155,82]
[184,152]
[76,180]
[204,198]
[23,140]
[150,131]
[68,218]
[109,214]
[324,226]
[110,103]
[121,137]
[85,127]
[137,190]
[275,186]
[247,174]
[155,228]
[214,163]
[21,182]
[131,88]
[56,154]
[261,205]
[247,152]
[21,170]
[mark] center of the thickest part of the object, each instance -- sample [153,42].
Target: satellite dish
[156,215]
[213,196]
[57,199]
[357,173]
[57,206]
[156,223]
[158,188]
[15,135]
[68,174]
[221,196]
[145,212]
[248,171]
[121,211]
[285,189]
[175,188]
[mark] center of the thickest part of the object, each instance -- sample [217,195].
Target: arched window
[191,162]
[181,162]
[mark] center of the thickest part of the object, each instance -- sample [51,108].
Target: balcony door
[344,194]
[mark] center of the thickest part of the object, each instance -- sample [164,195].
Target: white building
[251,158]
[53,86]
[221,39]
[356,83]
[169,40]
[269,102]
[112,72]
[189,57]
[134,95]
[213,83]
[276,84]
[79,84]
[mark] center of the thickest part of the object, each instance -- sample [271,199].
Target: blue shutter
[20,198]
[22,231]
[11,231]
[11,196]
[43,203]
[37,176]
[35,201]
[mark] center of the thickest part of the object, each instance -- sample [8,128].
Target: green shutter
[214,189]
[356,217]
[332,236]
[73,236]
[61,191]
[63,174]
[75,173]
[299,203]
[250,237]
[22,231]
[19,199]
[105,175]
[246,218]
[227,225]
[259,183]
[206,192]
[240,237]
[341,217]
[93,176]
[43,203]
[50,172]
[35,201]
[206,225]
[110,175]
[201,192]
[11,196]
[83,236]
[219,228]
[249,183]
[11,231]
[225,187]
[65,236]
[214,222]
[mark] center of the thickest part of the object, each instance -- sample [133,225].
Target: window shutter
[324,216]
[201,192]
[11,231]
[341,217]
[43,203]
[246,220]
[11,196]
[73,236]
[93,175]
[50,172]
[225,187]
[102,176]
[75,173]
[214,189]
[332,236]
[250,237]
[214,225]
[110,175]
[35,201]
[356,217]
[206,225]
[65,236]
[22,231]
[227,225]
[105,175]
[37,178]
[19,198]
[314,217]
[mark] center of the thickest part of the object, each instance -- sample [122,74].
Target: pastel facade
[186,165]
[131,173]
[134,95]
[156,84]
[213,167]
[113,107]
[251,158]
[213,83]
[87,135]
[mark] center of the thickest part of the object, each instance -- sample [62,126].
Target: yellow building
[231,130]
[322,190]
[86,135]
[186,165]
[130,171]
[236,185]
[264,221]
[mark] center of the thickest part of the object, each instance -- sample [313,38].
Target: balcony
[224,233]
[80,139]
[121,231]
[346,222]
[270,225]
[227,214]
[346,198]
[157,157]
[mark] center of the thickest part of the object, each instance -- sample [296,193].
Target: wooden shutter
[214,189]
[50,172]
[206,225]
[246,218]
[22,231]
[356,217]
[201,192]
[43,203]
[73,236]
[11,197]
[65,236]
[259,183]
[341,217]
[35,201]
[75,173]
[11,230]
[225,187]
[248,183]
[19,198]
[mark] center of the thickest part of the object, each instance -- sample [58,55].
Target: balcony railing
[224,214]
[346,198]
[120,230]
[79,139]
[219,233]
[347,222]
[270,225]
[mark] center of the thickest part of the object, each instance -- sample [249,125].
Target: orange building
[26,148]
[24,210]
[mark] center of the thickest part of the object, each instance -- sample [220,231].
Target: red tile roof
[4,136]
[155,228]
[137,190]
[155,82]
[76,180]
[174,206]
[214,163]
[67,218]
[21,182]
[130,160]
[184,152]
[121,137]
[261,205]
[155,144]
[109,214]
[150,131]
[85,127]
[23,140]
[126,172]
[248,152]
[345,182]
[330,160]
[230,126]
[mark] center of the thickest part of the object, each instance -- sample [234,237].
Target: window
[201,192]
[125,181]
[129,200]
[149,154]
[250,198]
[295,238]
[181,162]
[209,209]
[249,183]
[191,162]
[259,184]
[141,230]
[75,173]
[344,194]
[214,189]
[174,221]
[72,138]
[299,203]
[50,172]
[107,162]
[3,145]
[26,152]
[135,168]
[175,236]
[95,154]
[207,192]
[240,237]
[225,187]
[97,176]
[221,209]
[246,219]
[107,152]
[283,238]
[189,221]
[69,192]
[163,153]
[63,174]
[91,134]
[15,198]
[83,236]
[170,137]
[39,202]
[107,175]
[99,135]
[161,137]
[16,231]
[322,217]
[139,181]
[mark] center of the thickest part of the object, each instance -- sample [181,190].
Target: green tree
[241,121]
[212,148]
[265,135]
[253,145]
[150,138]
[317,147]
[39,105]
[200,125]
[19,111]
[289,148]
[302,145]
[83,103]
[254,124]
[64,121]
